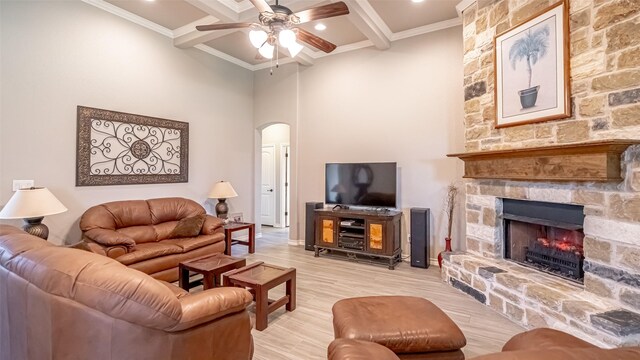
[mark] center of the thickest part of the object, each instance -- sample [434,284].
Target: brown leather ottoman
[412,327]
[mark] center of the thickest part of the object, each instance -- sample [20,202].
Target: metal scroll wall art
[115,148]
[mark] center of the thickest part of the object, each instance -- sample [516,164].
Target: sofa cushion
[170,209]
[148,251]
[141,233]
[188,227]
[192,243]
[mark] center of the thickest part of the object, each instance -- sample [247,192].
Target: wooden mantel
[590,161]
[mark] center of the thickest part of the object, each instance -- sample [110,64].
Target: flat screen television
[361,184]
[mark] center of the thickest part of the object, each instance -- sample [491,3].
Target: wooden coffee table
[259,278]
[211,267]
[230,228]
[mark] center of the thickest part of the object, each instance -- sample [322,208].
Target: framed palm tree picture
[532,69]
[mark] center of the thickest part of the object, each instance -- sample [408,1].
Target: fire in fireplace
[545,236]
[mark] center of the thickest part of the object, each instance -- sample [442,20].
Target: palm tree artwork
[530,47]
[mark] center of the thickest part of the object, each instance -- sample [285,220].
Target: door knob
[270,190]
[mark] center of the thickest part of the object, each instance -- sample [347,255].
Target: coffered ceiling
[375,23]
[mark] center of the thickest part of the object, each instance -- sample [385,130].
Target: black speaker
[309,228]
[420,237]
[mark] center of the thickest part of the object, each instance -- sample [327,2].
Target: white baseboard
[294,242]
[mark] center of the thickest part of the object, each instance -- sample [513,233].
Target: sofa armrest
[544,338]
[212,225]
[107,238]
[211,304]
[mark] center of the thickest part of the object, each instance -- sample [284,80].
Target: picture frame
[116,148]
[531,74]
[236,218]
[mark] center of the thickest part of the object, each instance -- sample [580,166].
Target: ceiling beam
[365,18]
[217,9]
[304,59]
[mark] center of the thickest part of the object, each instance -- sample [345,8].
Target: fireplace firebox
[545,236]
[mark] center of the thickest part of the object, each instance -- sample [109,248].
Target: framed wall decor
[115,148]
[236,217]
[532,69]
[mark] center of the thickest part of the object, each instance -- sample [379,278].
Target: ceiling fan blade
[315,41]
[322,12]
[223,26]
[262,6]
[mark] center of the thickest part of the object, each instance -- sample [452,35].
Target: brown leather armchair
[63,303]
[138,233]
[547,344]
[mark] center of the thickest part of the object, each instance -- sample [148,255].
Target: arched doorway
[275,176]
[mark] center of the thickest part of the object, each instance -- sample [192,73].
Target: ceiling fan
[277,21]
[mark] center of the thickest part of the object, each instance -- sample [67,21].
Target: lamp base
[222,209]
[34,226]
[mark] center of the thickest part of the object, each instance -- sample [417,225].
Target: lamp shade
[32,203]
[222,190]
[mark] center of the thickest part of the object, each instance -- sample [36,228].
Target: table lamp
[222,190]
[32,205]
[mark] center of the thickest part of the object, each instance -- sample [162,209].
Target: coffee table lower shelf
[360,256]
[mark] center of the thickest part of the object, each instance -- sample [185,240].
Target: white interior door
[287,192]
[268,208]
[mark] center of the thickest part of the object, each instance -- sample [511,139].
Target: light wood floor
[306,332]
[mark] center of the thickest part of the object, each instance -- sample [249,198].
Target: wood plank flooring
[306,332]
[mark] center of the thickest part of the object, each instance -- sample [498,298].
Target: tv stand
[360,235]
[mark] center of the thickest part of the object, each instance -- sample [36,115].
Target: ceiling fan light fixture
[294,49]
[320,27]
[287,37]
[257,37]
[266,51]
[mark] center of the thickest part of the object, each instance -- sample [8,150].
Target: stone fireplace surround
[606,310]
[605,99]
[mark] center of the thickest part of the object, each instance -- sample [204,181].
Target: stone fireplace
[602,304]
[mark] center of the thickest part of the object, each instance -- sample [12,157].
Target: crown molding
[426,29]
[131,17]
[225,56]
[308,55]
[463,5]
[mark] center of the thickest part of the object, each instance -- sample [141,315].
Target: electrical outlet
[22,184]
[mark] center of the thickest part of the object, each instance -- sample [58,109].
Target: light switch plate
[22,184]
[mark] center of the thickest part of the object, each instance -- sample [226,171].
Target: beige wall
[404,105]
[58,55]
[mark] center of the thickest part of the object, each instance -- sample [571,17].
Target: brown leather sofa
[63,303]
[138,233]
[546,344]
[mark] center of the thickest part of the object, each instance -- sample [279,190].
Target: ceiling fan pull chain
[277,56]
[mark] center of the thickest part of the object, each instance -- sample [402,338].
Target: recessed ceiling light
[150,0]
[415,1]
[320,27]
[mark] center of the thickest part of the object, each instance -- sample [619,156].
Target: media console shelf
[361,235]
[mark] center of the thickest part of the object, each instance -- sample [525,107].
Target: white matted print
[532,69]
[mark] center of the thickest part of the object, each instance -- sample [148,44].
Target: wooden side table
[211,267]
[230,228]
[260,278]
